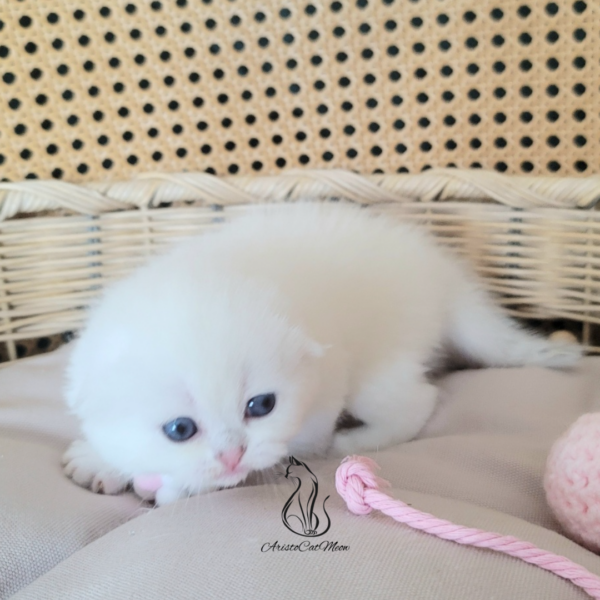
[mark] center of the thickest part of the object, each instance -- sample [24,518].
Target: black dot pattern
[109,90]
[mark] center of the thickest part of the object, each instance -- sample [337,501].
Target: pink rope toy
[357,484]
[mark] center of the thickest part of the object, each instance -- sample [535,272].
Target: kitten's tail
[481,332]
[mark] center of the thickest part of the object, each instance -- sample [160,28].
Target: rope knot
[353,478]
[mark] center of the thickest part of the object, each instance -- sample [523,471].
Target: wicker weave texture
[532,246]
[94,90]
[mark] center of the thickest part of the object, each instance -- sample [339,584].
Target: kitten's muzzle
[231,458]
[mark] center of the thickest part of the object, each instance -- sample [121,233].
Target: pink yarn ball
[572,481]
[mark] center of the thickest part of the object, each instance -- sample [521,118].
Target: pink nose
[231,458]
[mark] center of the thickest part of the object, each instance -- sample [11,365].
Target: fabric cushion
[479,462]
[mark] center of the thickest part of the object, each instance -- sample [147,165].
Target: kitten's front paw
[346,443]
[87,469]
[168,494]
[160,489]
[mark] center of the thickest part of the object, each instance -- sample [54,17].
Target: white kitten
[243,346]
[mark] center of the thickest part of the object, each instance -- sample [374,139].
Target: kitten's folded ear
[309,347]
[315,349]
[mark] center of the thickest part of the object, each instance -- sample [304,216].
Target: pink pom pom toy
[572,481]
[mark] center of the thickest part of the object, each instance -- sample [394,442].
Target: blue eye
[259,406]
[180,429]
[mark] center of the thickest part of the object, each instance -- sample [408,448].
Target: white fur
[325,306]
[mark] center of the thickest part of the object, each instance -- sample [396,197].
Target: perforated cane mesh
[104,90]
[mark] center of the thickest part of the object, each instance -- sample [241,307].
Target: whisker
[187,500]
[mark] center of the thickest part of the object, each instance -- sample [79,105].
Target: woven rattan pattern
[94,90]
[537,245]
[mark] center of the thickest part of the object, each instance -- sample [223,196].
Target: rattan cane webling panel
[96,90]
[535,241]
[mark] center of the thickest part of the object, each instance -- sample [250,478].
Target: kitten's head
[203,387]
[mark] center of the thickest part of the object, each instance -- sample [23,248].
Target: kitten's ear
[315,349]
[309,346]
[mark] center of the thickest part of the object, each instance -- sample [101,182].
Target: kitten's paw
[87,469]
[354,441]
[146,486]
[168,494]
[343,445]
[160,489]
[558,355]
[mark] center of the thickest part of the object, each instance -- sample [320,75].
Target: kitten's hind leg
[82,464]
[394,405]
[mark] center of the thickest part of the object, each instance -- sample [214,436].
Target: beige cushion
[479,463]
